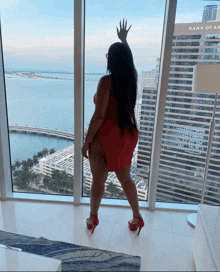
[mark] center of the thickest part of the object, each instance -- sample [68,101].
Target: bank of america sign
[194,28]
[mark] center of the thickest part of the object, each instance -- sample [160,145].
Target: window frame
[6,190]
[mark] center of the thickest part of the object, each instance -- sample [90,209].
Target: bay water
[46,100]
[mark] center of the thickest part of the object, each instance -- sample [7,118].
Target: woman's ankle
[136,216]
[93,215]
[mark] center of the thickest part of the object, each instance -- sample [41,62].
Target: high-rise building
[211,13]
[193,43]
[186,122]
[148,78]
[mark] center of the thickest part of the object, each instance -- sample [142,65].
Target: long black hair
[121,66]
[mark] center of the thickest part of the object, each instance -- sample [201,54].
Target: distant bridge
[42,131]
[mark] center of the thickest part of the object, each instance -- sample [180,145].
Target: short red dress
[118,151]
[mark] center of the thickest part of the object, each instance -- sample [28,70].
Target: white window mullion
[5,163]
[79,45]
[166,49]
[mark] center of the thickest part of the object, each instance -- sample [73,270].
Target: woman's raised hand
[122,34]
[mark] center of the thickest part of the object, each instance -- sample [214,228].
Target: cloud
[38,48]
[144,38]
[20,7]
[9,4]
[16,42]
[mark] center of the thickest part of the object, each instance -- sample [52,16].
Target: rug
[74,257]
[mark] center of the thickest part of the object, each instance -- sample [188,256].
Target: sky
[39,34]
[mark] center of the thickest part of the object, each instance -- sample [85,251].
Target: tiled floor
[165,242]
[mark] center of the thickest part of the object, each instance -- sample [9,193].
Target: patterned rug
[74,257]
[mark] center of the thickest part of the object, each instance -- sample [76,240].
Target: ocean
[46,100]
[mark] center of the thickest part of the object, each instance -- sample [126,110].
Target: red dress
[118,151]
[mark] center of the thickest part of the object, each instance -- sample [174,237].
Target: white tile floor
[165,242]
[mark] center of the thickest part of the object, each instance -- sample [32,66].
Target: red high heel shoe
[94,223]
[135,226]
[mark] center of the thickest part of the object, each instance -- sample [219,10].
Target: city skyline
[43,38]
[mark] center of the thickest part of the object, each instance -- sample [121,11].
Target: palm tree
[46,181]
[40,154]
[34,177]
[64,180]
[56,179]
[24,164]
[51,151]
[17,163]
[121,195]
[70,183]
[37,179]
[35,159]
[16,173]
[23,178]
[30,163]
[45,151]
[113,189]
[52,186]
[13,167]
[19,181]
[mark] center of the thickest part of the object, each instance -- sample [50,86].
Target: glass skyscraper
[211,13]
[186,122]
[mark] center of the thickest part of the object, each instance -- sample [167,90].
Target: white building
[150,78]
[63,160]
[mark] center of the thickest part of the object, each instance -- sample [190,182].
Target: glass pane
[187,116]
[144,39]
[38,57]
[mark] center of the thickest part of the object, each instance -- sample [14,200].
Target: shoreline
[33,75]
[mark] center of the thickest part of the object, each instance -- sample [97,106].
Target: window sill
[105,202]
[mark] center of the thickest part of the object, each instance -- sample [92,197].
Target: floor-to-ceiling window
[144,39]
[185,139]
[38,59]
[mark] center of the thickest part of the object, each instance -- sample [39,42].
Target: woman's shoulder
[108,79]
[107,76]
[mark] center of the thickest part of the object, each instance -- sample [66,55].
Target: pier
[42,131]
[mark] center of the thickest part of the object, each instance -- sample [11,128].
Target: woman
[113,134]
